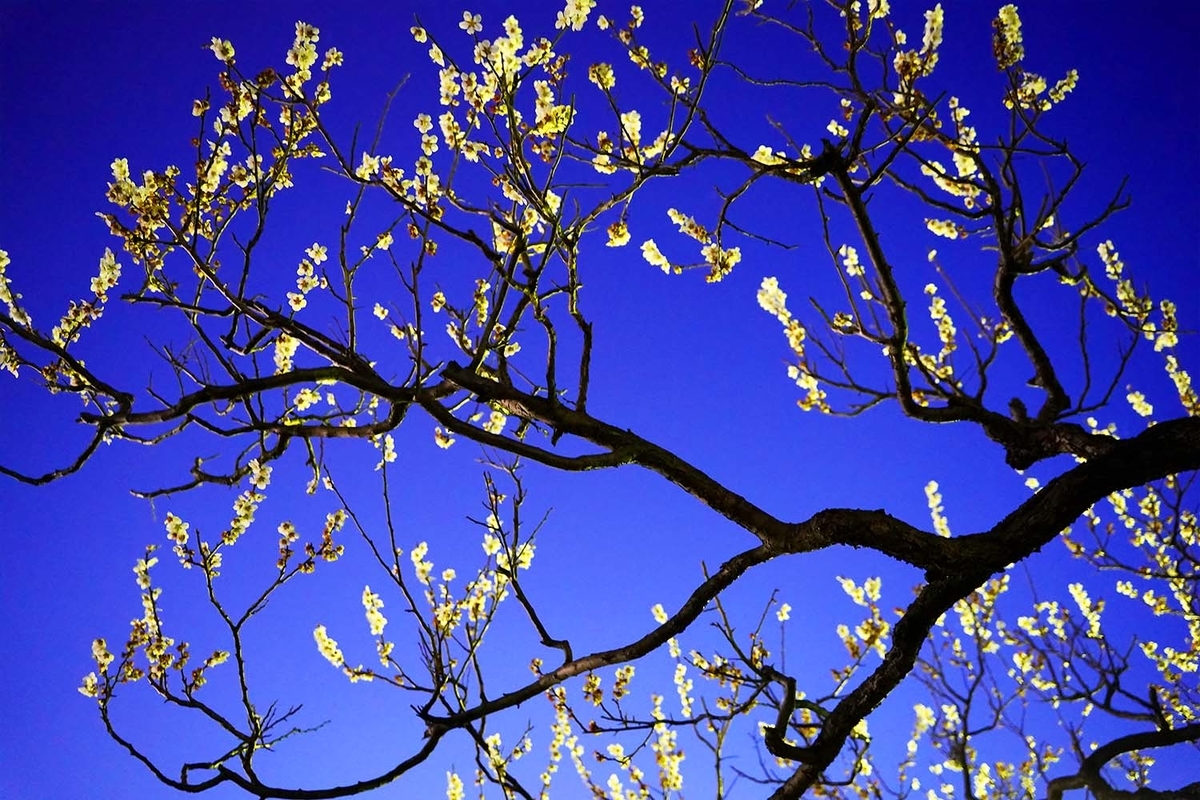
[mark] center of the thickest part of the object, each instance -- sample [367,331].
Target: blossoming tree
[530,168]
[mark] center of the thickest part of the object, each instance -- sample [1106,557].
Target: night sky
[697,368]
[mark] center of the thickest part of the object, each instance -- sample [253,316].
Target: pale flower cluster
[110,273]
[1007,44]
[442,438]
[936,510]
[965,150]
[306,277]
[303,53]
[306,398]
[454,787]
[946,228]
[1183,386]
[77,317]
[1132,304]
[1061,89]
[334,521]
[1090,609]
[720,261]
[1139,403]
[387,444]
[667,753]
[878,9]
[550,118]
[774,301]
[767,157]
[141,571]
[259,474]
[1028,94]
[618,234]
[654,256]
[495,422]
[285,351]
[873,631]
[375,619]
[177,533]
[912,64]
[631,132]
[863,595]
[575,15]
[244,508]
[287,537]
[524,558]
[1167,332]
[602,76]
[854,267]
[421,567]
[10,299]
[947,333]
[328,647]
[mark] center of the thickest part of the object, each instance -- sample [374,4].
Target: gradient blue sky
[696,368]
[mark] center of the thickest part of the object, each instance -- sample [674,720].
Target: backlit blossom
[454,787]
[688,226]
[1006,43]
[421,567]
[618,234]
[317,252]
[1138,402]
[285,350]
[495,422]
[471,23]
[652,254]
[375,619]
[945,228]
[575,15]
[328,647]
[222,49]
[1065,86]
[368,168]
[91,685]
[850,259]
[940,525]
[934,20]
[602,75]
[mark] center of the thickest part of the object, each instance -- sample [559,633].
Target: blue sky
[697,368]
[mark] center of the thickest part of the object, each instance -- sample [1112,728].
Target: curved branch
[1089,777]
[1165,449]
[876,530]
